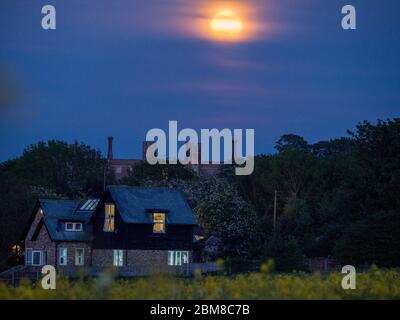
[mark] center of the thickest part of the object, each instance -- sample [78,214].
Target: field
[371,284]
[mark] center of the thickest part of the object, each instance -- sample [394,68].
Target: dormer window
[73,226]
[158,222]
[109,218]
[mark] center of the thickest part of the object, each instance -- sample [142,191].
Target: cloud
[173,18]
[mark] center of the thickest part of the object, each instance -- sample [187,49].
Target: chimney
[110,148]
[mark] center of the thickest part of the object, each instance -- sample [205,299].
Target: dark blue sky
[123,67]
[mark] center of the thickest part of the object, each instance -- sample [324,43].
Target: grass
[371,284]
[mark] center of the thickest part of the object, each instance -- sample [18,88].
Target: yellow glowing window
[159,222]
[109,218]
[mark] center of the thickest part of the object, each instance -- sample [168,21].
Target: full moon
[226,23]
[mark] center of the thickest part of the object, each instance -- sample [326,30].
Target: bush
[287,254]
[373,284]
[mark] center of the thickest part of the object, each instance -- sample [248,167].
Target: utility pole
[275,196]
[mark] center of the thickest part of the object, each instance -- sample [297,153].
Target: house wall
[138,262]
[71,268]
[42,242]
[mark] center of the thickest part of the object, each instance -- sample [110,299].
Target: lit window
[109,223]
[73,226]
[118,258]
[16,249]
[178,258]
[118,170]
[79,257]
[159,222]
[62,257]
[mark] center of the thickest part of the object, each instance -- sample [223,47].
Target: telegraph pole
[275,196]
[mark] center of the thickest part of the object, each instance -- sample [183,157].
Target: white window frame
[62,256]
[118,258]
[187,257]
[28,256]
[176,257]
[77,263]
[40,257]
[74,225]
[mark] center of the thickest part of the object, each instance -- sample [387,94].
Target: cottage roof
[135,204]
[57,212]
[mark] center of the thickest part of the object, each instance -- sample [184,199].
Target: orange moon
[226,23]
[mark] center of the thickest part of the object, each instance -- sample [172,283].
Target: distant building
[121,167]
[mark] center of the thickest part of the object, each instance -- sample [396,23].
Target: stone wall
[42,242]
[71,268]
[137,262]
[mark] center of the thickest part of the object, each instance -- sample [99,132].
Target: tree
[341,146]
[291,142]
[377,153]
[223,213]
[374,239]
[74,170]
[286,253]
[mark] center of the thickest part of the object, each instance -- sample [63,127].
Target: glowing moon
[226,23]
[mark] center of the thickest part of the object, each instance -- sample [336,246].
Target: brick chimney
[110,148]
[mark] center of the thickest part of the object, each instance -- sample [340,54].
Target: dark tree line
[338,198]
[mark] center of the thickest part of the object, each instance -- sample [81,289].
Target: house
[136,230]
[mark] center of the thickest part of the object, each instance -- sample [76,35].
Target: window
[28,256]
[118,258]
[79,257]
[109,223]
[62,257]
[73,226]
[69,226]
[118,170]
[159,222]
[37,258]
[90,205]
[78,226]
[178,258]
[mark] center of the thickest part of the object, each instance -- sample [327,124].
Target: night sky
[123,67]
